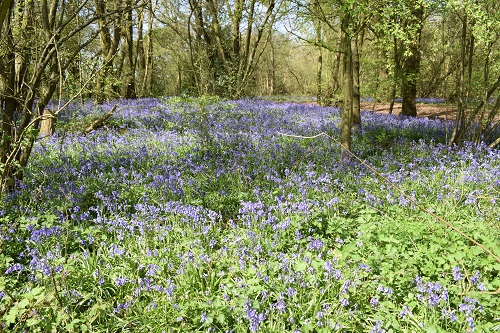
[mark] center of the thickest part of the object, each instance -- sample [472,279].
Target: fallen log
[101,122]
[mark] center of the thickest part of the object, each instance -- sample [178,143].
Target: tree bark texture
[411,61]
[347,89]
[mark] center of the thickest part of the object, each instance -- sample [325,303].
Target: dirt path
[431,111]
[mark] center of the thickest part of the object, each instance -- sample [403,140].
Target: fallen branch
[494,143]
[101,122]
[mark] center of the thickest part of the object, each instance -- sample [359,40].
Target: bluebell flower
[290,292]
[457,275]
[253,317]
[364,267]
[122,306]
[328,266]
[378,327]
[475,279]
[14,268]
[405,312]
[152,269]
[280,305]
[319,315]
[120,281]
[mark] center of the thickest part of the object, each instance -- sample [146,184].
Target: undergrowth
[198,215]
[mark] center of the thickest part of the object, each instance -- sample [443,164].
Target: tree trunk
[356,98]
[409,92]
[334,85]
[460,119]
[148,75]
[8,103]
[411,64]
[347,88]
[47,125]
[140,54]
[129,89]
[109,49]
[396,74]
[319,71]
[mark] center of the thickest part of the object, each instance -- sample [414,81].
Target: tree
[111,30]
[226,40]
[480,31]
[33,63]
[412,24]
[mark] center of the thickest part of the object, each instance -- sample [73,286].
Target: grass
[197,215]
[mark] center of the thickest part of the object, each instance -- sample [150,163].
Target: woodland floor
[431,111]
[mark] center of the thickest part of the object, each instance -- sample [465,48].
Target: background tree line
[337,50]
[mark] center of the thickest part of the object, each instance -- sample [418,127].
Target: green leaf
[34,293]
[23,303]
[221,318]
[300,266]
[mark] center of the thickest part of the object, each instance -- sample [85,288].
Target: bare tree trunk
[346,120]
[396,74]
[411,64]
[109,49]
[4,9]
[140,54]
[129,90]
[460,119]
[148,75]
[319,72]
[9,105]
[356,98]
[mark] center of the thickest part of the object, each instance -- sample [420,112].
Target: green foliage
[162,230]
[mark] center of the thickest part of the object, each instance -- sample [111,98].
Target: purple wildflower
[120,281]
[280,305]
[14,268]
[378,327]
[253,317]
[457,275]
[374,301]
[405,312]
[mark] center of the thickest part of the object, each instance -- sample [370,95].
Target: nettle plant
[194,215]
